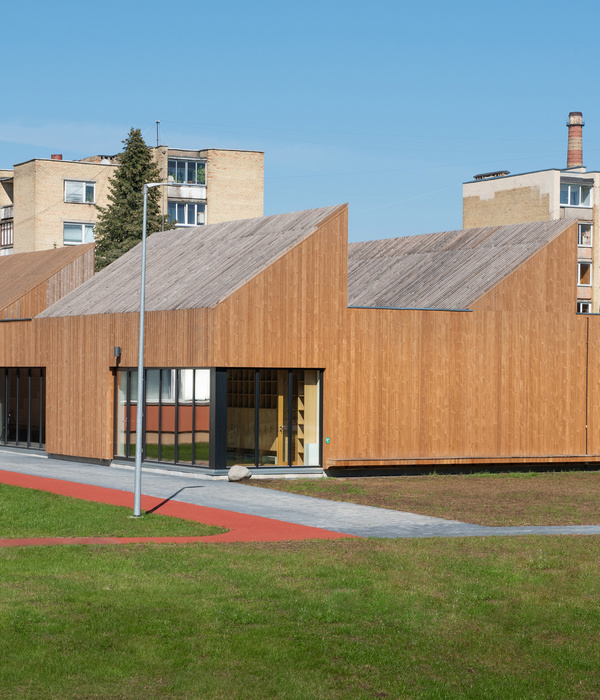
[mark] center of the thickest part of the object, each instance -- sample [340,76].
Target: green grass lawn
[30,513]
[508,618]
[512,618]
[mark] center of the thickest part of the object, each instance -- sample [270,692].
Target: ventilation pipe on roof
[575,145]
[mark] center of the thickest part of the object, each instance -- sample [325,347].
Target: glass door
[22,409]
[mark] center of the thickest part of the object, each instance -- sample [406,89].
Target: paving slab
[344,518]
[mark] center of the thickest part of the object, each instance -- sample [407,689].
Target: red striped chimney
[575,145]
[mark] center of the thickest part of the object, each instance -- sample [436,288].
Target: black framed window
[274,417]
[219,417]
[22,407]
[176,417]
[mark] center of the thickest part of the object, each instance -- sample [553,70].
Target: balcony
[6,212]
[195,192]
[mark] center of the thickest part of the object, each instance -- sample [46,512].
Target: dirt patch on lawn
[549,498]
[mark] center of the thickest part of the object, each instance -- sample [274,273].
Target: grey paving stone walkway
[348,518]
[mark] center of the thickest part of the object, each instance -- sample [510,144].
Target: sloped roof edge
[20,273]
[193,267]
[450,270]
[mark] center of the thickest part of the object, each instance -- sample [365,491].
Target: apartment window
[572,195]
[74,234]
[79,192]
[6,233]
[584,307]
[584,235]
[189,172]
[584,274]
[187,213]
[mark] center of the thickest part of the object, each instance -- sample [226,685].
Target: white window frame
[580,263]
[186,164]
[186,206]
[571,188]
[72,197]
[81,224]
[581,305]
[579,236]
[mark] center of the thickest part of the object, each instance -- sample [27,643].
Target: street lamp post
[137,487]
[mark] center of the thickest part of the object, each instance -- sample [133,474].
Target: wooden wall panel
[593,388]
[458,385]
[39,297]
[506,381]
[293,312]
[547,282]
[70,277]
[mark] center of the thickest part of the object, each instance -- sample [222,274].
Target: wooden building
[272,343]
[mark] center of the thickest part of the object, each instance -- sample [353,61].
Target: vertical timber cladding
[507,379]
[290,315]
[593,389]
[79,385]
[461,385]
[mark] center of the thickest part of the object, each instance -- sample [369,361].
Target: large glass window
[260,417]
[187,213]
[190,172]
[74,234]
[22,412]
[80,192]
[273,417]
[176,415]
[572,195]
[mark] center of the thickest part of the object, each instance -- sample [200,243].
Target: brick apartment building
[48,203]
[499,198]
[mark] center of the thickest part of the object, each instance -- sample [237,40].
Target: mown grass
[30,513]
[508,618]
[532,498]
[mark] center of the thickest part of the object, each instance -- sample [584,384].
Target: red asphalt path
[242,528]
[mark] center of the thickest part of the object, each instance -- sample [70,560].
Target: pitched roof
[22,272]
[448,270]
[192,267]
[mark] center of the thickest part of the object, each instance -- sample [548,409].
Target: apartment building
[499,198]
[50,202]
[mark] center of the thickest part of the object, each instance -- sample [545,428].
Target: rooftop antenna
[157,123]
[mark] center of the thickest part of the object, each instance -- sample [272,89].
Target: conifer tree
[119,226]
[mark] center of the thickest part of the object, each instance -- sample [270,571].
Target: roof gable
[22,272]
[449,270]
[192,267]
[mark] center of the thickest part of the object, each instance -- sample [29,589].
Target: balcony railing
[6,212]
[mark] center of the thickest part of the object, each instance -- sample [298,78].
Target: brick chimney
[56,156]
[575,145]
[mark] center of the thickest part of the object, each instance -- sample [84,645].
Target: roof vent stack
[575,145]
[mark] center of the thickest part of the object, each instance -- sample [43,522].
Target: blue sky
[388,106]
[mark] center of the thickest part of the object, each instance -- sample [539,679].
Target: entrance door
[273,417]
